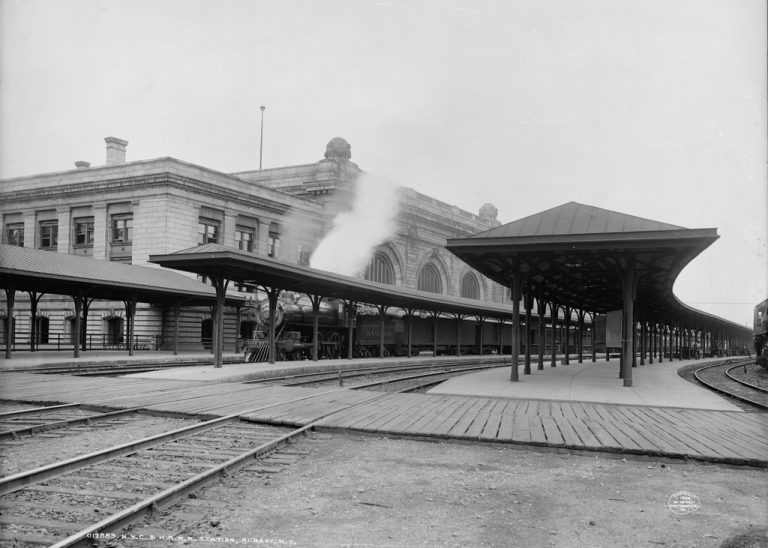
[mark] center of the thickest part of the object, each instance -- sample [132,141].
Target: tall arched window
[380,270]
[470,287]
[429,279]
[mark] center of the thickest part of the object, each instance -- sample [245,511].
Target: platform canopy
[222,262]
[596,260]
[575,255]
[25,269]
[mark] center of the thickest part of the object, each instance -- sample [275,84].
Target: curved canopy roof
[574,255]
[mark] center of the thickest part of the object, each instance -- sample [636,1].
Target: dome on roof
[489,212]
[338,149]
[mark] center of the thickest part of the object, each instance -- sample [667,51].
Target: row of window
[48,232]
[209,232]
[381,270]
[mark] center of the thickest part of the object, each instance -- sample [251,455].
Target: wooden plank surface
[714,435]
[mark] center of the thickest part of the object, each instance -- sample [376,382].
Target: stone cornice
[144,183]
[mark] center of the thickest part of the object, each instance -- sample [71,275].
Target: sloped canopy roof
[574,218]
[574,254]
[27,269]
[218,261]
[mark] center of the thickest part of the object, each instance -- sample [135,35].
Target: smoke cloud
[348,247]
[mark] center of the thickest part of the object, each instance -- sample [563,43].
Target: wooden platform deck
[715,436]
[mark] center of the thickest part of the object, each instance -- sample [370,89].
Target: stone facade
[127,211]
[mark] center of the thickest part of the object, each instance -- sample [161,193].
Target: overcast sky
[654,108]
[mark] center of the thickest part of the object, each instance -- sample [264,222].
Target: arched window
[380,270]
[429,279]
[470,288]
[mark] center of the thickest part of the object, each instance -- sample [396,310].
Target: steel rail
[745,383]
[362,371]
[410,377]
[18,481]
[420,386]
[722,390]
[169,496]
[86,368]
[37,410]
[65,423]
[384,371]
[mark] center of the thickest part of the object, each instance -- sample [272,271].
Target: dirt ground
[385,492]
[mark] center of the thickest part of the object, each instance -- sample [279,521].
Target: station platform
[655,384]
[576,407]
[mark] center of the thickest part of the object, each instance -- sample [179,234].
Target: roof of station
[26,269]
[218,261]
[574,254]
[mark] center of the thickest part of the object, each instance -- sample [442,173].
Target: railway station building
[129,211]
[125,211]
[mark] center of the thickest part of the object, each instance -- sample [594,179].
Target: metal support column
[566,358]
[78,325]
[528,301]
[382,311]
[351,316]
[517,293]
[176,314]
[315,300]
[629,282]
[130,315]
[541,310]
[555,310]
[272,294]
[10,299]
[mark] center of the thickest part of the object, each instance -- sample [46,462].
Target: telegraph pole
[261,139]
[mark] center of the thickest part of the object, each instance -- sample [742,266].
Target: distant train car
[368,336]
[760,333]
[294,332]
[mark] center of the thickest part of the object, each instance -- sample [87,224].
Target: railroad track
[385,374]
[717,377]
[95,496]
[105,369]
[28,422]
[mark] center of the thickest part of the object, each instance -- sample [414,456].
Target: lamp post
[261,138]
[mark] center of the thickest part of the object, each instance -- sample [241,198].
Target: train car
[294,329]
[760,334]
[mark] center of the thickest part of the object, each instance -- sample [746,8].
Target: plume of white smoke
[348,247]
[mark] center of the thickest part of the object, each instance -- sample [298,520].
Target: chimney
[115,150]
[80,164]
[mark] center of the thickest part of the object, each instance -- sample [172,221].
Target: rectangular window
[14,234]
[244,237]
[122,229]
[302,255]
[49,234]
[84,232]
[207,231]
[273,241]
